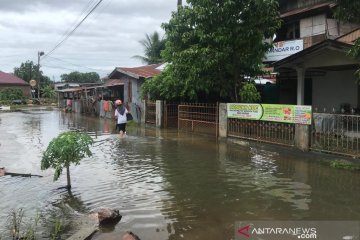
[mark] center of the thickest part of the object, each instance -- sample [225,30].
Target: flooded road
[167,185]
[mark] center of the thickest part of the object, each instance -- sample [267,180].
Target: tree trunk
[68,177]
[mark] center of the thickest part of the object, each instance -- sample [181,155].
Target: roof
[113,82]
[10,79]
[147,71]
[350,37]
[308,10]
[76,89]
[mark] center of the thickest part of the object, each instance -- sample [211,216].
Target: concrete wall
[334,88]
[136,87]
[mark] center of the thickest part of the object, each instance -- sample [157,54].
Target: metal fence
[171,115]
[336,133]
[262,131]
[150,113]
[200,118]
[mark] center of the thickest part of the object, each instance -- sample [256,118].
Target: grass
[343,164]
[19,228]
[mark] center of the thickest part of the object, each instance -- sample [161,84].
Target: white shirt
[121,118]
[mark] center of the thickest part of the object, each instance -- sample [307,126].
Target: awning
[329,53]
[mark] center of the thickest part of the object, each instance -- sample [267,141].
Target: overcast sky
[108,38]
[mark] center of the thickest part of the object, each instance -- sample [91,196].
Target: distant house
[125,83]
[8,80]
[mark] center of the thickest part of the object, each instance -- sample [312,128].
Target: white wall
[334,88]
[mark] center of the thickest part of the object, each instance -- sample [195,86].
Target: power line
[78,18]
[58,59]
[59,67]
[76,27]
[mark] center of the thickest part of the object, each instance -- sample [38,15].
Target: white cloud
[107,39]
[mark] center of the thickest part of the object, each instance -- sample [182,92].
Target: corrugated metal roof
[307,9]
[10,79]
[141,72]
[113,82]
[77,89]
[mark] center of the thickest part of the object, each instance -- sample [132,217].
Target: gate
[200,118]
[150,113]
[170,115]
[336,133]
[262,131]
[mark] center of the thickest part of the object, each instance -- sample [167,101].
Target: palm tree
[153,46]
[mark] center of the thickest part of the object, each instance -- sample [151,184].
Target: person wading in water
[120,115]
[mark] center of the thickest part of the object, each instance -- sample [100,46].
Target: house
[125,83]
[310,57]
[8,80]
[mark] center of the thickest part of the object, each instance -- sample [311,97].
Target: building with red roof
[8,80]
[125,83]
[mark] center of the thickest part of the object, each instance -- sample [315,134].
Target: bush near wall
[9,95]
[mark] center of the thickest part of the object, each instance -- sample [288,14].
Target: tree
[48,92]
[349,11]
[67,148]
[213,47]
[249,93]
[28,71]
[153,46]
[78,77]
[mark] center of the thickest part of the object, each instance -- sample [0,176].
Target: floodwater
[167,185]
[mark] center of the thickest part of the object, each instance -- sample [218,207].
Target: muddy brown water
[166,184]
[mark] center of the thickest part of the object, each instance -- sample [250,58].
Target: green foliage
[48,92]
[9,94]
[21,228]
[340,164]
[78,77]
[212,46]
[153,46]
[67,148]
[249,93]
[57,229]
[349,11]
[28,71]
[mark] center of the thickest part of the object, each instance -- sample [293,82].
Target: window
[289,31]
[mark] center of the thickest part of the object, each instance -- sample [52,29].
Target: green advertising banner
[270,112]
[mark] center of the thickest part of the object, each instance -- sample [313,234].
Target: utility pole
[179,3]
[39,76]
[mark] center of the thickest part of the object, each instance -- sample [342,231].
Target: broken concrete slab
[84,233]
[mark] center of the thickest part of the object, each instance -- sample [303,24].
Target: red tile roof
[144,71]
[9,79]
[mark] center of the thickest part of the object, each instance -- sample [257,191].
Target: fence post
[302,137]
[159,113]
[222,120]
[143,112]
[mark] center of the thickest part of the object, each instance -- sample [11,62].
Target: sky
[108,38]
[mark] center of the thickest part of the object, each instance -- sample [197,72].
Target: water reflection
[168,184]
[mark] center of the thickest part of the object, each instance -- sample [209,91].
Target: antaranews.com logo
[301,233]
[291,230]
